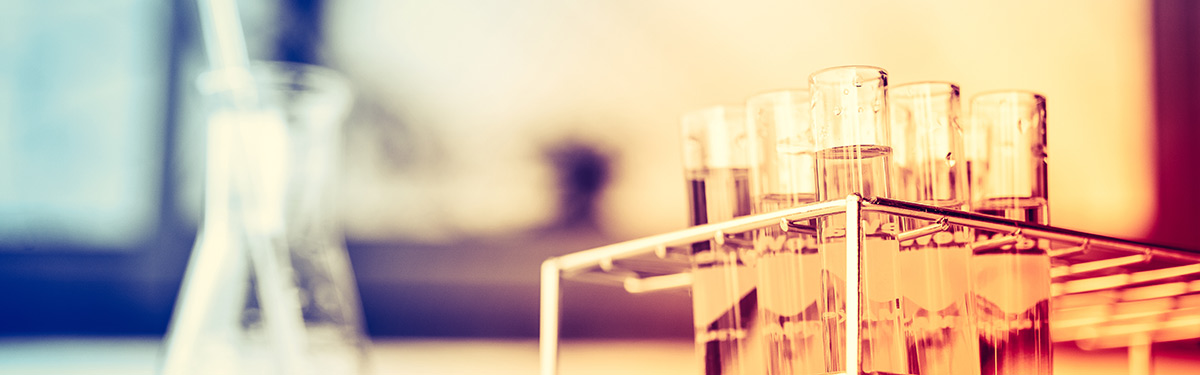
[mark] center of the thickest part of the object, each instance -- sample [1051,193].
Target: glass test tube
[724,295]
[782,176]
[1008,179]
[930,169]
[849,111]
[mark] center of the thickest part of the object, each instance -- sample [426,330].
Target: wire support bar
[637,285]
[1123,312]
[576,262]
[1123,280]
[1098,265]
[939,226]
[1181,326]
[999,224]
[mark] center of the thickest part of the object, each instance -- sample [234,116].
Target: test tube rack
[1107,292]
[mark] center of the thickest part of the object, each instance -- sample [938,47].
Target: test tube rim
[882,73]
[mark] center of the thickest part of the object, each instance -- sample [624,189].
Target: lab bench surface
[434,356]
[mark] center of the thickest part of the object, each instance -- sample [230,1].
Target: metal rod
[1122,280]
[999,224]
[652,266]
[798,226]
[996,242]
[575,262]
[1160,290]
[1140,357]
[604,278]
[1071,251]
[736,242]
[939,226]
[1115,312]
[548,341]
[853,246]
[1176,328]
[652,284]
[1097,265]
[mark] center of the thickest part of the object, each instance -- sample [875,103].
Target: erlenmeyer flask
[269,288]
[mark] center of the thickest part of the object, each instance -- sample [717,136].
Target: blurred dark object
[300,31]
[488,287]
[1176,61]
[582,172]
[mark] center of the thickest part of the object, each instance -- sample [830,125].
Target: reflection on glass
[1008,178]
[849,112]
[782,175]
[938,320]
[724,296]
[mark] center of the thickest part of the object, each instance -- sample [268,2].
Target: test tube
[1008,179]
[724,285]
[782,176]
[930,169]
[849,111]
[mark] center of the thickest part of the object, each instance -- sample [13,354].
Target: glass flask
[782,175]
[1007,171]
[927,145]
[724,290]
[850,123]
[269,288]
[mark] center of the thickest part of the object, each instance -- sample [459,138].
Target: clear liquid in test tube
[930,169]
[849,112]
[724,287]
[1007,169]
[782,175]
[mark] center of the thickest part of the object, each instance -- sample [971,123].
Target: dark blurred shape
[582,171]
[1176,61]
[300,31]
[488,287]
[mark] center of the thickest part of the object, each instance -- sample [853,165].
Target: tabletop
[452,356]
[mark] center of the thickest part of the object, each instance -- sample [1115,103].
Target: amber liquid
[1013,291]
[724,290]
[939,329]
[863,170]
[789,287]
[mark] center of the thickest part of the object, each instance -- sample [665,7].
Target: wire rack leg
[548,342]
[1140,357]
[853,246]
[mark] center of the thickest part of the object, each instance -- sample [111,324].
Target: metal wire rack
[1107,292]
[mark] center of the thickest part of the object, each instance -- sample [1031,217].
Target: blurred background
[486,137]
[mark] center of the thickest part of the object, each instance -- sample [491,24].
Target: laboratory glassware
[850,124]
[269,288]
[782,175]
[1008,179]
[927,144]
[724,290]
[1108,292]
